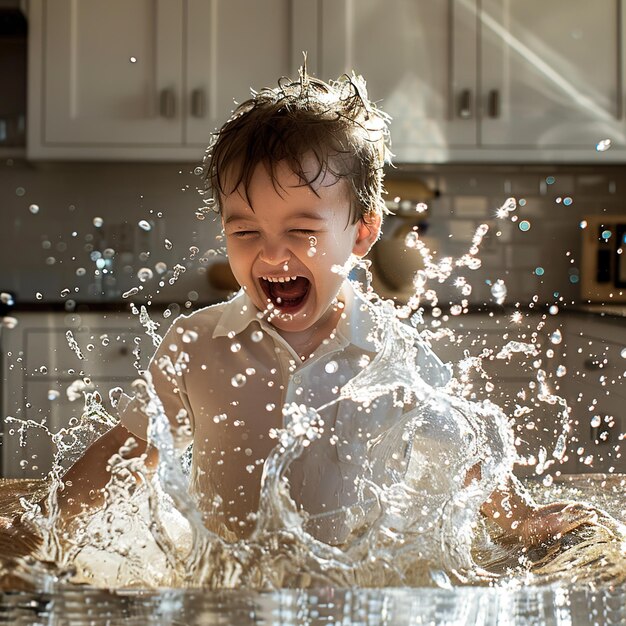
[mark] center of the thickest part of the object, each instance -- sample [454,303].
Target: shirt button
[297,379]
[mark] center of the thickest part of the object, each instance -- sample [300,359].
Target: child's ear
[367,233]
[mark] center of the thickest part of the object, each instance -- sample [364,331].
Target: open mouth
[286,293]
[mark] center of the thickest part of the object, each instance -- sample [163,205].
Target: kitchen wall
[545,259]
[49,249]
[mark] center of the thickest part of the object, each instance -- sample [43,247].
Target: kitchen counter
[602,310]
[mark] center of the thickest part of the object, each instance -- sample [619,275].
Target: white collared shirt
[225,375]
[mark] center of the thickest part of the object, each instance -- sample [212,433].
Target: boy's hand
[551,521]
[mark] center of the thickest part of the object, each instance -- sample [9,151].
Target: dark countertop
[599,310]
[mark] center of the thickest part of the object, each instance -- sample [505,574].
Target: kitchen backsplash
[52,240]
[61,220]
[538,254]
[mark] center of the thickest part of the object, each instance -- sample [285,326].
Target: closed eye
[302,231]
[242,234]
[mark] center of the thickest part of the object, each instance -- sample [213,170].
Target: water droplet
[547,480]
[410,241]
[190,336]
[144,274]
[6,298]
[312,251]
[603,145]
[104,340]
[524,226]
[168,244]
[160,267]
[9,322]
[331,367]
[65,292]
[456,309]
[623,353]
[34,209]
[553,310]
[144,225]
[43,369]
[583,224]
[238,380]
[270,406]
[130,292]
[498,291]
[257,336]
[556,337]
[133,59]
[198,171]
[81,271]
[39,296]
[235,347]
[539,271]
[97,222]
[596,421]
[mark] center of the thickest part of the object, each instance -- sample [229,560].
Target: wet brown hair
[335,122]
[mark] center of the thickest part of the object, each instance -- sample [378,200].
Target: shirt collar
[353,328]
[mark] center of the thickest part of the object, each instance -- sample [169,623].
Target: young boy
[297,177]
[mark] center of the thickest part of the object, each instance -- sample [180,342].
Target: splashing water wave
[423,529]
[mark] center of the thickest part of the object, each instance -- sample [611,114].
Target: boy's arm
[86,479]
[512,508]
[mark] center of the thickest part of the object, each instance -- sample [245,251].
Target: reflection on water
[545,606]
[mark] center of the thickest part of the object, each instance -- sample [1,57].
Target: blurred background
[106,107]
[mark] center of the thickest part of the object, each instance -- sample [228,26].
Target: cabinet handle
[465,104]
[198,103]
[167,103]
[493,103]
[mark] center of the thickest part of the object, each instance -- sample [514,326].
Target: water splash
[422,529]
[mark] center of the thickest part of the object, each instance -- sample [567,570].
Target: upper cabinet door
[550,73]
[110,72]
[231,47]
[418,58]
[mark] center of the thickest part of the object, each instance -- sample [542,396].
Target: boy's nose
[274,253]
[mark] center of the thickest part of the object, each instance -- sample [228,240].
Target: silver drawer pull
[493,103]
[198,103]
[167,103]
[466,106]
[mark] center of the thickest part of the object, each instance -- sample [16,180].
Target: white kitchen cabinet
[44,379]
[151,79]
[515,80]
[418,58]
[550,73]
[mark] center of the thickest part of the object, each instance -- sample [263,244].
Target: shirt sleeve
[167,370]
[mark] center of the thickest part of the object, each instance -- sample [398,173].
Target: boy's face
[282,248]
